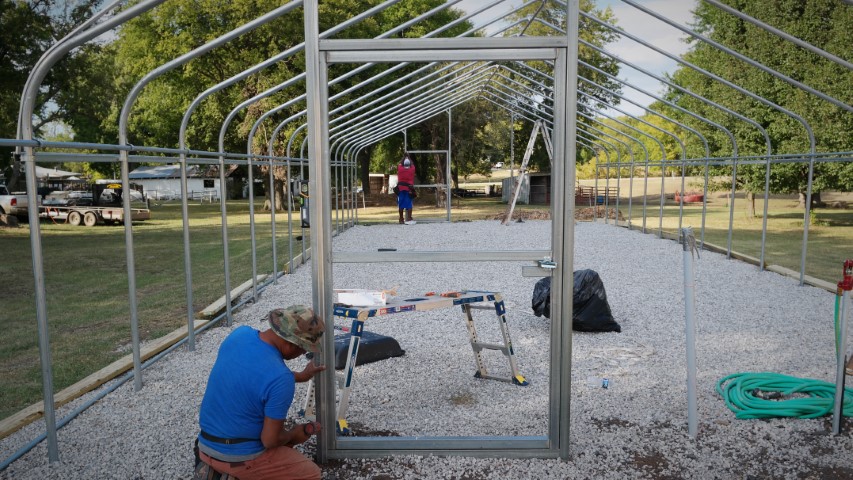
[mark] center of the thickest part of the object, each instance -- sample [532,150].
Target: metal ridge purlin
[457,43]
[440,256]
[467,55]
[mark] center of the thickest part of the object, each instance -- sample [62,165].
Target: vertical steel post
[447,158]
[185,217]
[41,299]
[843,291]
[320,217]
[688,244]
[271,196]
[562,242]
[511,149]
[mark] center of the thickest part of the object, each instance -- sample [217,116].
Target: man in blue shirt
[248,394]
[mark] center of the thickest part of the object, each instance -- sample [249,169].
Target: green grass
[86,279]
[828,240]
[87,291]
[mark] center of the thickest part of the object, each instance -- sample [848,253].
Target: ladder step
[489,346]
[493,377]
[481,307]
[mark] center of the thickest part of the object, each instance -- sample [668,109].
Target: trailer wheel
[74,218]
[90,219]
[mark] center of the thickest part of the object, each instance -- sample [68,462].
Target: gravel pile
[748,321]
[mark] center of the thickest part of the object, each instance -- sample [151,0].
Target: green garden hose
[772,395]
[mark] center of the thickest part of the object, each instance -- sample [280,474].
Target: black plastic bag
[591,312]
[542,298]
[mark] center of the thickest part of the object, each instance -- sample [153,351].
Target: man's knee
[315,471]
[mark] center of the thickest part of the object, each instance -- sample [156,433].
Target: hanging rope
[773,395]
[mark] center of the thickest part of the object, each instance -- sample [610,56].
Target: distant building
[379,183]
[163,182]
[535,189]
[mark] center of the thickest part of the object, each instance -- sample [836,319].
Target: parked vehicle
[13,204]
[102,204]
[68,198]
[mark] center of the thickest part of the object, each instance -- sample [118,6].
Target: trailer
[91,216]
[101,204]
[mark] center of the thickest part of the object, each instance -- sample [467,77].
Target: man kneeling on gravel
[248,394]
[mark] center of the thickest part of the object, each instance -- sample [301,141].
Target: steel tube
[688,243]
[28,100]
[840,351]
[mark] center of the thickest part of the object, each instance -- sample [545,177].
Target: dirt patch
[611,423]
[523,215]
[591,213]
[582,214]
[654,464]
[463,398]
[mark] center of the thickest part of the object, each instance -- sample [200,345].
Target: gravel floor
[637,428]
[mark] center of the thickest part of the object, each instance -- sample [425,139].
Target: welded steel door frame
[561,50]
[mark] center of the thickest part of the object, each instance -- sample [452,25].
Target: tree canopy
[87,92]
[822,23]
[27,29]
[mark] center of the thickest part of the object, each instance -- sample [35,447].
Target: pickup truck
[13,204]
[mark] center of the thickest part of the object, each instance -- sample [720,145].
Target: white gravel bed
[748,321]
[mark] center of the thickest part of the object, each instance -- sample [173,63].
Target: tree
[430,134]
[178,26]
[823,23]
[27,29]
[592,98]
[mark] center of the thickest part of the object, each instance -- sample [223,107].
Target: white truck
[13,204]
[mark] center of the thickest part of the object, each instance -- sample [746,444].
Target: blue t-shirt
[248,382]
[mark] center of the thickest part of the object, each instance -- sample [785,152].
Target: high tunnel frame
[332,137]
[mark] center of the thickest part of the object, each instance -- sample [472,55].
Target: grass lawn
[829,237]
[87,293]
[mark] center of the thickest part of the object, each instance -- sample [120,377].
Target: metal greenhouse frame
[332,130]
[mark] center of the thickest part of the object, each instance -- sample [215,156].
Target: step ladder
[468,300]
[308,411]
[522,170]
[505,348]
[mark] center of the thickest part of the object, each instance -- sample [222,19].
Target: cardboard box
[361,298]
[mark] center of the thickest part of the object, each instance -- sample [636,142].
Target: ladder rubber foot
[477,374]
[519,380]
[342,427]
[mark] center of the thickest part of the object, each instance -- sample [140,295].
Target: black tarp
[372,348]
[591,312]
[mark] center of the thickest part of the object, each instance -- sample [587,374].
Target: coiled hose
[772,395]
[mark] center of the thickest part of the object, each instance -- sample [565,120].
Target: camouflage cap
[298,325]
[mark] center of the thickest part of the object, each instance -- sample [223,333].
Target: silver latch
[547,263]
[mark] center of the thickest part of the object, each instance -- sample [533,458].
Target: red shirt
[405,175]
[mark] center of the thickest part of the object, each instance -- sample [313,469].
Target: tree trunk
[439,168]
[364,174]
[14,177]
[750,204]
[816,201]
[280,195]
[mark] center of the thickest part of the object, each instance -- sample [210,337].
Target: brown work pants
[282,463]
